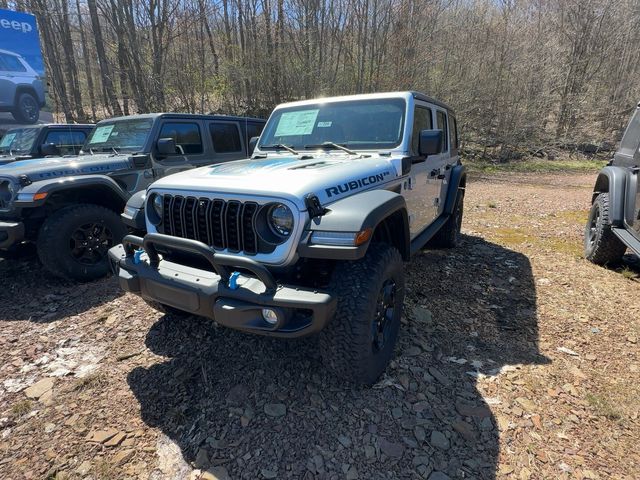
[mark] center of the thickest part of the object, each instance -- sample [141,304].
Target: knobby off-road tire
[26,109]
[73,242]
[601,246]
[449,234]
[355,345]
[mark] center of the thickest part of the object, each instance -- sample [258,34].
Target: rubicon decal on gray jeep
[308,236]
[356,184]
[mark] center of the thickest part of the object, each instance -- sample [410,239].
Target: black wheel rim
[89,243]
[385,311]
[592,233]
[29,108]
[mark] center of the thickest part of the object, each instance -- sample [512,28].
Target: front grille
[218,223]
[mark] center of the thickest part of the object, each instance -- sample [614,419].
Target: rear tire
[601,246]
[27,109]
[73,242]
[449,234]
[359,341]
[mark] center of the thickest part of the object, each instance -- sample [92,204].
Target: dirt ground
[518,359]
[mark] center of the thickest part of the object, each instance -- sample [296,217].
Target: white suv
[21,88]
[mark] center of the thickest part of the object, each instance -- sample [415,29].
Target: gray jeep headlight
[280,218]
[155,209]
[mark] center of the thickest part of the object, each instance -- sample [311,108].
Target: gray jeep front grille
[221,224]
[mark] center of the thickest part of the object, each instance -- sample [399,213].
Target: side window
[9,63]
[453,128]
[186,135]
[254,130]
[441,118]
[68,142]
[421,121]
[225,137]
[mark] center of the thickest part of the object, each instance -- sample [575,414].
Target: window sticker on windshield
[296,123]
[102,134]
[324,124]
[7,139]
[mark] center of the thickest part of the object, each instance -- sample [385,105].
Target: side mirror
[430,142]
[166,146]
[49,149]
[252,144]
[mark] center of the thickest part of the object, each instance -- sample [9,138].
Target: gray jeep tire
[26,109]
[359,341]
[73,242]
[601,246]
[449,234]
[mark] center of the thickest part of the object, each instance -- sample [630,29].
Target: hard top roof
[178,116]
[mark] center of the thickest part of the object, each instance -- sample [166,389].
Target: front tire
[601,246]
[27,109]
[358,343]
[73,242]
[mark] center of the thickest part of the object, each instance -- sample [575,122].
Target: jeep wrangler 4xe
[54,139]
[309,234]
[70,206]
[613,224]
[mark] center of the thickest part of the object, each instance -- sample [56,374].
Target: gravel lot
[518,359]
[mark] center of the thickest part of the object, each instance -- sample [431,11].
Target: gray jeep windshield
[368,124]
[119,135]
[18,140]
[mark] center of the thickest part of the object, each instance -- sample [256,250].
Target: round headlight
[280,219]
[157,204]
[154,209]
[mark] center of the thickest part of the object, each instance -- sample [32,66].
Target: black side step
[428,233]
[628,239]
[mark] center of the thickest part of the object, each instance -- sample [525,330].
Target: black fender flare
[366,210]
[133,215]
[457,181]
[49,187]
[612,180]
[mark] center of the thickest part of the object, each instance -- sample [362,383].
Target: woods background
[520,73]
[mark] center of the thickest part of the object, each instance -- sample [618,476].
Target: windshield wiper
[280,146]
[333,146]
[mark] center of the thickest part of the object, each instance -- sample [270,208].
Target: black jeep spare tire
[601,246]
[73,242]
[26,109]
[359,341]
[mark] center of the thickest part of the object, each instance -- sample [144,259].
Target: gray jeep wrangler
[70,206]
[308,235]
[614,219]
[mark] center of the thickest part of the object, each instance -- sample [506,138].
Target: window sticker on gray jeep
[324,124]
[102,134]
[296,123]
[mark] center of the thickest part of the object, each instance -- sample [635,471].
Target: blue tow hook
[233,281]
[137,256]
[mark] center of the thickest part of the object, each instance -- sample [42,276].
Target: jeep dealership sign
[19,34]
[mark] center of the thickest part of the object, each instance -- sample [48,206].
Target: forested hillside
[519,73]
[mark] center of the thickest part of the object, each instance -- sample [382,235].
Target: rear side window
[68,142]
[186,135]
[421,121]
[441,118]
[453,128]
[9,63]
[225,137]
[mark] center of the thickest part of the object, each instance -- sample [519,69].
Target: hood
[4,159]
[329,176]
[56,167]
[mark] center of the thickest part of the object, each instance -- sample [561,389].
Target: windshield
[119,135]
[368,124]
[18,140]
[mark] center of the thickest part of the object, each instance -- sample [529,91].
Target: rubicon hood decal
[356,184]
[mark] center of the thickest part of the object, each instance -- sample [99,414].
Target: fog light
[270,316]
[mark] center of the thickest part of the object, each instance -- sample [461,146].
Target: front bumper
[300,311]
[10,234]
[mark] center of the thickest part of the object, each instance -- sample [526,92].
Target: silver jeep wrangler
[308,236]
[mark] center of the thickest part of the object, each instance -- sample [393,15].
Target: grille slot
[218,223]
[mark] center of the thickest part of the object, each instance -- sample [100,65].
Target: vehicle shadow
[263,407]
[29,292]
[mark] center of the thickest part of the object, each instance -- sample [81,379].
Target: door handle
[441,176]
